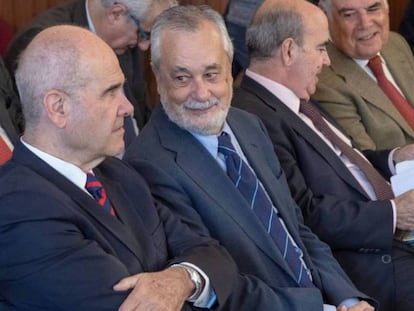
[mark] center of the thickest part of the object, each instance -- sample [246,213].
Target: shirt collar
[70,171]
[210,142]
[286,96]
[364,62]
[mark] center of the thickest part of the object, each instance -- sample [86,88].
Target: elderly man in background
[217,165]
[79,228]
[124,25]
[368,86]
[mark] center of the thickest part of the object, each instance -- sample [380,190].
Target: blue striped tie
[248,184]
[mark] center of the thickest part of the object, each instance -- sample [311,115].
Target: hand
[404,153]
[361,306]
[166,290]
[404,204]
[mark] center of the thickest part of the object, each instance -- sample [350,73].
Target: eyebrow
[110,89]
[374,5]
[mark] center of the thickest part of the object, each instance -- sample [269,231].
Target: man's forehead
[355,4]
[200,67]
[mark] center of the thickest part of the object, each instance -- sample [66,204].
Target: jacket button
[386,259]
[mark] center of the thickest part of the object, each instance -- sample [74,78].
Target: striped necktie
[381,187]
[249,186]
[94,187]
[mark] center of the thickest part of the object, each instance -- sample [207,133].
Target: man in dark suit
[8,98]
[178,152]
[79,228]
[348,89]
[124,25]
[337,199]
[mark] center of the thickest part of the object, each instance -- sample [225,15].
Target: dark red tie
[5,152]
[381,187]
[402,105]
[94,187]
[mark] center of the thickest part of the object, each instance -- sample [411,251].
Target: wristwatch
[197,280]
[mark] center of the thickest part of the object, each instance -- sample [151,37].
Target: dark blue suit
[335,206]
[60,250]
[180,170]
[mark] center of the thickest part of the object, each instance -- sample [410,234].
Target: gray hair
[186,18]
[140,8]
[268,31]
[326,5]
[52,63]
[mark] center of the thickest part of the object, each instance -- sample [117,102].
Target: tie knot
[308,110]
[93,186]
[225,146]
[375,64]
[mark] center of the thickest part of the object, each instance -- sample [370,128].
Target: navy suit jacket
[335,207]
[180,170]
[75,13]
[60,250]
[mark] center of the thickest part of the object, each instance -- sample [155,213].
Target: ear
[57,107]
[289,50]
[115,12]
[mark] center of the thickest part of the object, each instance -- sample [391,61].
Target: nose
[144,45]
[364,19]
[125,107]
[201,90]
[326,60]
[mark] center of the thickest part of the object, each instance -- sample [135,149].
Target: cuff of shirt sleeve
[350,302]
[207,297]
[391,163]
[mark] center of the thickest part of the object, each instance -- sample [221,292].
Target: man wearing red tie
[368,86]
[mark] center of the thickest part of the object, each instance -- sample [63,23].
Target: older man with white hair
[368,86]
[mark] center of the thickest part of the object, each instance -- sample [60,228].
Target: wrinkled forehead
[356,4]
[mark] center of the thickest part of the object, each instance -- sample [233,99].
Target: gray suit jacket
[180,170]
[357,103]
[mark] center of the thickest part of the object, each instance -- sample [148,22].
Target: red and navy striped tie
[94,187]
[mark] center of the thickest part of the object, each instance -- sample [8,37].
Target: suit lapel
[85,202]
[302,130]
[205,172]
[358,80]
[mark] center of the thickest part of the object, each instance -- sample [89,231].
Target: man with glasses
[124,25]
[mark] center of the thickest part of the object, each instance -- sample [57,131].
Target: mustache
[195,104]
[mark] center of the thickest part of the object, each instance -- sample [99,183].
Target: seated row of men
[226,175]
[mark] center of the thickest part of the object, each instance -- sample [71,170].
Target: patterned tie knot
[224,144]
[94,187]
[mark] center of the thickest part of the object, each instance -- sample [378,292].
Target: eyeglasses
[145,35]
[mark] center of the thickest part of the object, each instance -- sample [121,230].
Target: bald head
[58,58]
[276,21]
